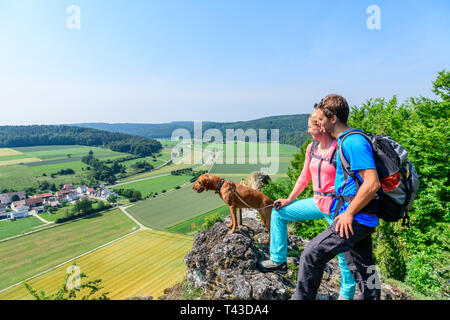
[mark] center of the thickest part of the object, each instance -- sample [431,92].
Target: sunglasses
[317,106]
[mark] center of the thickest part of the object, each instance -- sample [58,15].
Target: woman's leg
[348,283]
[300,210]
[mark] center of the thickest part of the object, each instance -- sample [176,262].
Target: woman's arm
[302,181]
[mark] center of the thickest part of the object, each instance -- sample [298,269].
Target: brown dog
[251,197]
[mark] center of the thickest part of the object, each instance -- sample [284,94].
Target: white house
[82,189]
[106,193]
[37,210]
[3,213]
[21,212]
[72,197]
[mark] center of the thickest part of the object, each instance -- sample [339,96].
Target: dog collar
[220,185]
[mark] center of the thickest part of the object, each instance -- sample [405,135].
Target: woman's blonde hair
[313,118]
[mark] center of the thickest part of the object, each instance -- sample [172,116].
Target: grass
[62,152]
[8,152]
[27,166]
[153,173]
[31,254]
[9,228]
[141,264]
[60,213]
[191,226]
[156,184]
[16,177]
[243,163]
[174,207]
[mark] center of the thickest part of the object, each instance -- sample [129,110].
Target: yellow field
[142,264]
[8,152]
[17,161]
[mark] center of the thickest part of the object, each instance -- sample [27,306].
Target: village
[16,205]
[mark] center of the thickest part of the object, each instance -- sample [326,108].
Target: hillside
[292,127]
[47,135]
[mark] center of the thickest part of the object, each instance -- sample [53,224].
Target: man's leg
[362,265]
[348,283]
[319,251]
[305,209]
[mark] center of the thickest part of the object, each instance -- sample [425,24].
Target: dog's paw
[231,231]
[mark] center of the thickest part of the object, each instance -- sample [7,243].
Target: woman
[320,167]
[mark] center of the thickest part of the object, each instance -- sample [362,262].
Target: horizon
[112,62]
[144,123]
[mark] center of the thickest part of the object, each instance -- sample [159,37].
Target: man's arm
[365,194]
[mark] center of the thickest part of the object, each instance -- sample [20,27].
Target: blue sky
[160,61]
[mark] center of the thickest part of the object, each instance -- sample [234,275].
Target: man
[352,227]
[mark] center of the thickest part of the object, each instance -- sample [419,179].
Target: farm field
[31,254]
[25,167]
[133,266]
[156,184]
[176,206]
[190,227]
[10,228]
[243,163]
[164,170]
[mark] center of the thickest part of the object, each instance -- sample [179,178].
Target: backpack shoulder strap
[333,160]
[346,167]
[314,147]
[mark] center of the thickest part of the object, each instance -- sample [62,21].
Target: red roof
[62,192]
[32,201]
[43,195]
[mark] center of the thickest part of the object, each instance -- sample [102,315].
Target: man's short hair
[334,104]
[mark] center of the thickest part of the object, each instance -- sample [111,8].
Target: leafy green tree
[441,86]
[112,198]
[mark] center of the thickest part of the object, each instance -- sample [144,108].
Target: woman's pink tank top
[322,172]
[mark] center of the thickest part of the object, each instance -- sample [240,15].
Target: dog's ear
[206,180]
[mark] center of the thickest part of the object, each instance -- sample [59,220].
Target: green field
[9,228]
[191,226]
[62,152]
[28,166]
[174,207]
[156,184]
[244,163]
[31,254]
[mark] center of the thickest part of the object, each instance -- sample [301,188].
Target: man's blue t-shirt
[358,152]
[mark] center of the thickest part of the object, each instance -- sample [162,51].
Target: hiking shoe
[272,266]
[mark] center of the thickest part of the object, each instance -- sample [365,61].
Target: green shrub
[210,220]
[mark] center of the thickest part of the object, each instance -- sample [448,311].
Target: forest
[292,128]
[417,255]
[44,135]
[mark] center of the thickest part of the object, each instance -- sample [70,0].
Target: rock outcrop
[224,266]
